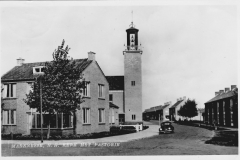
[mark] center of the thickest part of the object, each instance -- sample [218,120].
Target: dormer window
[38,70]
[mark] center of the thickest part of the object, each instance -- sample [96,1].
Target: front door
[121,118]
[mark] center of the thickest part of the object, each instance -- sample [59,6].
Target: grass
[224,138]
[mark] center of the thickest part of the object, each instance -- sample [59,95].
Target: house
[151,113]
[173,110]
[126,90]
[161,111]
[92,117]
[222,109]
[164,111]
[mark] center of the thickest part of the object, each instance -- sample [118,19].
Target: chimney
[221,91]
[217,93]
[227,89]
[170,103]
[184,98]
[233,87]
[91,56]
[20,61]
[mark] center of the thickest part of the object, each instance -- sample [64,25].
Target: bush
[128,127]
[114,130]
[145,127]
[10,136]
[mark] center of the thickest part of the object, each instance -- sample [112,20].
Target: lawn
[224,138]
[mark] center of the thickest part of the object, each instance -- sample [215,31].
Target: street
[186,140]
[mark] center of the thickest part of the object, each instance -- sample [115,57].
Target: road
[186,140]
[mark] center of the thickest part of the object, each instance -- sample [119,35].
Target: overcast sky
[189,50]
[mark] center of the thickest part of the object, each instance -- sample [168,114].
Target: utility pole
[41,108]
[159,119]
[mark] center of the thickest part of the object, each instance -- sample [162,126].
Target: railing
[133,48]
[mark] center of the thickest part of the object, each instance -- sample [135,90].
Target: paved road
[186,140]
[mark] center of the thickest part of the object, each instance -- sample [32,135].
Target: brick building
[17,117]
[222,109]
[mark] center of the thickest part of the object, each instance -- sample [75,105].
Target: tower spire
[132,16]
[132,25]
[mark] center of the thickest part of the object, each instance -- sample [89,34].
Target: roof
[154,109]
[164,106]
[25,71]
[222,96]
[115,82]
[176,104]
[111,105]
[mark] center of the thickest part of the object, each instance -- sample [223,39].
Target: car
[166,127]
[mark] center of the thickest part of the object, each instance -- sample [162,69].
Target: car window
[165,124]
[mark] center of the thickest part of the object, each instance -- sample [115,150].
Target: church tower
[132,77]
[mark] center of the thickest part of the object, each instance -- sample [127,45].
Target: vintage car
[166,127]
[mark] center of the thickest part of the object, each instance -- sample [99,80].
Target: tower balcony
[133,48]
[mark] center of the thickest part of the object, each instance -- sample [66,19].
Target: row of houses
[169,111]
[107,99]
[222,109]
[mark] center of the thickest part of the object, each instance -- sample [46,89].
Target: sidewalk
[151,131]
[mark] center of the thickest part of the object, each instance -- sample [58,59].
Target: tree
[62,83]
[189,109]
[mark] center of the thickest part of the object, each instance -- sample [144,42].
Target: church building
[109,100]
[126,91]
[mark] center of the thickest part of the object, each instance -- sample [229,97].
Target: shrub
[145,127]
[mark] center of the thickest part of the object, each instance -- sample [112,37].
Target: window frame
[86,111]
[101,114]
[10,90]
[133,116]
[133,83]
[35,121]
[40,68]
[101,91]
[7,120]
[110,97]
[86,90]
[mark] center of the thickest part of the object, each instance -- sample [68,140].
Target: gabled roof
[222,96]
[164,106]
[115,82]
[25,72]
[176,104]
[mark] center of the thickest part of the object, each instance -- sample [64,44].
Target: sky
[189,50]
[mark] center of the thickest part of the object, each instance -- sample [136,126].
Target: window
[231,105]
[133,83]
[9,90]
[133,117]
[56,121]
[38,69]
[9,117]
[111,116]
[101,115]
[110,97]
[86,116]
[86,90]
[101,91]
